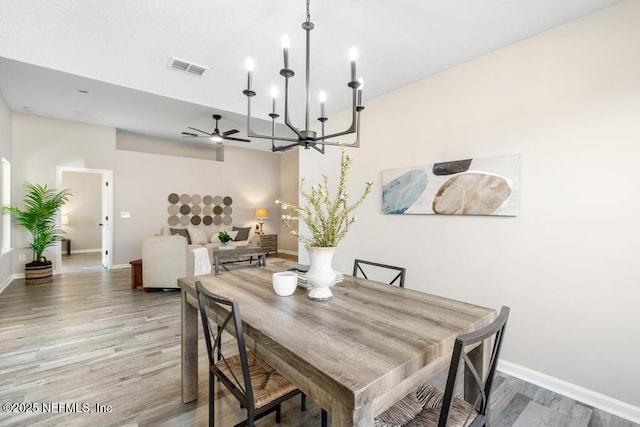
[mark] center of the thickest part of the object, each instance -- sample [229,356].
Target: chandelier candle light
[328,219]
[305,137]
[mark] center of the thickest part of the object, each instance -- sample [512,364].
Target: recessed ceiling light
[83,91]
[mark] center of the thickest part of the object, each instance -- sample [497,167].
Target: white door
[105,221]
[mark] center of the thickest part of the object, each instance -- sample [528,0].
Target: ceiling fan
[215,136]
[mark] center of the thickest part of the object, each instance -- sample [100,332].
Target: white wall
[567,101]
[83,210]
[5,151]
[40,145]
[288,192]
[143,181]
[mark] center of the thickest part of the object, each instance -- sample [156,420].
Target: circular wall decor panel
[185,209]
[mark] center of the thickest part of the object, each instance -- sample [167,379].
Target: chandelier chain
[308,13]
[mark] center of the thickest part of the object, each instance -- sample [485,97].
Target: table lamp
[261,214]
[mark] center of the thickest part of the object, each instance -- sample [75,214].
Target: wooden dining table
[354,355]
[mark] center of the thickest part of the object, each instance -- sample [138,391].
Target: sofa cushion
[210,230]
[243,233]
[181,232]
[197,234]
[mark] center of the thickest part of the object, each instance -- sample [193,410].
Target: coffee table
[238,253]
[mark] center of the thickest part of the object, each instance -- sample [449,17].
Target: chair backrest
[357,268]
[483,381]
[231,322]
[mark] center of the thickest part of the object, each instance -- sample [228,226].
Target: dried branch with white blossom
[328,219]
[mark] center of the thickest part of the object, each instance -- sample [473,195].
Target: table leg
[216,263]
[479,357]
[359,417]
[189,350]
[264,260]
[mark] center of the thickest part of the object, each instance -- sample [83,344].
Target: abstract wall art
[486,186]
[192,209]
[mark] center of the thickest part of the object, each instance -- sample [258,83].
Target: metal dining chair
[258,387]
[430,406]
[359,263]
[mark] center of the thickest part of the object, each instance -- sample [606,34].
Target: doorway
[86,219]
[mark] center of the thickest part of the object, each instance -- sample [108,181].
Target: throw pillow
[210,230]
[181,232]
[197,234]
[243,233]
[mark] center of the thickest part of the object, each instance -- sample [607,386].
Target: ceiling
[106,62]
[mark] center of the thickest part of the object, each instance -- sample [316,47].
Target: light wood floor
[88,338]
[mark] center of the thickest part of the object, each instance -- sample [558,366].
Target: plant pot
[38,272]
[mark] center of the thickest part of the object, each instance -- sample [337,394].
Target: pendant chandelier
[306,137]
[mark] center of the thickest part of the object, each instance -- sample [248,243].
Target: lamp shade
[64,220]
[261,213]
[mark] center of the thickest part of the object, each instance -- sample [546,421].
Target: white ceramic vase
[320,275]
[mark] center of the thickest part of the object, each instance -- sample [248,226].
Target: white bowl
[285,283]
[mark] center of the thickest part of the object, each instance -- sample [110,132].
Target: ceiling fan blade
[230,132]
[201,131]
[236,139]
[189,134]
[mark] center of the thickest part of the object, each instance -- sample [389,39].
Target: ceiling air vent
[187,67]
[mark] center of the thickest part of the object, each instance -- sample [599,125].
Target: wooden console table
[269,243]
[68,242]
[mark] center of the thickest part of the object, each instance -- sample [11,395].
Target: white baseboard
[581,394]
[288,252]
[7,282]
[85,251]
[118,266]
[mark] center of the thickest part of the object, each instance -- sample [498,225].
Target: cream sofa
[167,257]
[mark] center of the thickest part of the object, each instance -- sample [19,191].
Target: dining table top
[365,347]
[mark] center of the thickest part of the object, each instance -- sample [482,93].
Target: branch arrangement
[327,217]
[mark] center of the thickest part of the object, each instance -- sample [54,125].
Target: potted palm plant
[41,205]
